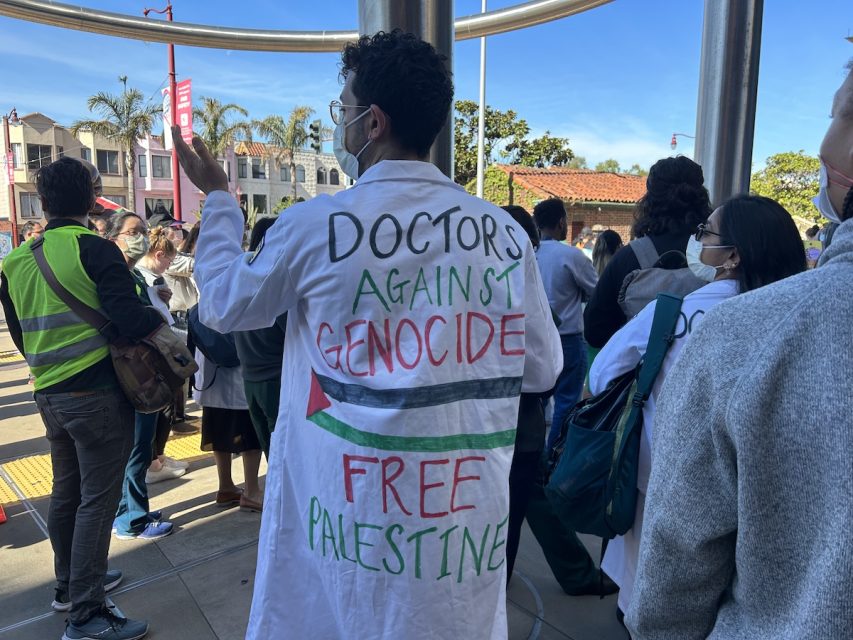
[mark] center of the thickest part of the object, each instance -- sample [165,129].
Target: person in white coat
[416,318]
[747,243]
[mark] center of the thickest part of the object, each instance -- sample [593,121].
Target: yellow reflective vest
[58,344]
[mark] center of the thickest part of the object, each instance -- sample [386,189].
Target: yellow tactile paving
[7,496]
[33,475]
[10,356]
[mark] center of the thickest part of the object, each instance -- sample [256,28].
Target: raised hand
[203,170]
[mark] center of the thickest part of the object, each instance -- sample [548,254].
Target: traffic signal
[314,134]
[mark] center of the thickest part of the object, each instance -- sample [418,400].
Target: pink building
[152,181]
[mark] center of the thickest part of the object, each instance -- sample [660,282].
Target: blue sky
[617,80]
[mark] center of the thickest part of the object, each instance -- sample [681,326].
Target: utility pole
[173,116]
[481,123]
[10,160]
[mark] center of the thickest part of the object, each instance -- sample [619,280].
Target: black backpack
[218,348]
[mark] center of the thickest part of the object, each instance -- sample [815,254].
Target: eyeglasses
[133,232]
[336,110]
[702,230]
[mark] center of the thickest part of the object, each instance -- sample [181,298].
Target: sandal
[225,499]
[247,504]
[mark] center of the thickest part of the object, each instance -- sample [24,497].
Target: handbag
[591,471]
[148,370]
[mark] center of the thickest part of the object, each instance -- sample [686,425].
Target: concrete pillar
[431,20]
[728,86]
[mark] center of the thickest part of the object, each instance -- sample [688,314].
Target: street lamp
[173,109]
[12,117]
[674,142]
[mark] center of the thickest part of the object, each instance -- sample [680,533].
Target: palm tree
[125,118]
[284,137]
[215,127]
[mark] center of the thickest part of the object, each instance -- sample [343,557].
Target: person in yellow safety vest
[89,421]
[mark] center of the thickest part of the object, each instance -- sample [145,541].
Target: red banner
[184,113]
[10,166]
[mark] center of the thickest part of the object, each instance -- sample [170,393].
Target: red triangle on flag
[317,400]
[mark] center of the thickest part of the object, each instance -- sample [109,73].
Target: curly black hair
[406,78]
[65,188]
[549,213]
[675,201]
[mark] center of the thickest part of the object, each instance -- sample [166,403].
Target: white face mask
[694,260]
[348,161]
[822,201]
[136,246]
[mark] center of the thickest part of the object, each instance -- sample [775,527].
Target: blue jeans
[569,385]
[90,435]
[132,515]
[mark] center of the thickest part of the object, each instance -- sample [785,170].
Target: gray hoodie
[748,528]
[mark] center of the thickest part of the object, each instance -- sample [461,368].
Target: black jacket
[105,265]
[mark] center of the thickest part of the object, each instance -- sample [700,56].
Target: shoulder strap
[645,251]
[667,311]
[87,313]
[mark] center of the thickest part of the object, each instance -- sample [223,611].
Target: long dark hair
[188,245]
[675,201]
[520,215]
[766,239]
[606,244]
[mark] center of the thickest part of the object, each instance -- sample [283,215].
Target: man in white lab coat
[417,316]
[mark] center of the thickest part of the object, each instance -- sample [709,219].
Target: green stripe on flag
[427,444]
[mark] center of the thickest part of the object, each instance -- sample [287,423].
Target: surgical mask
[348,161]
[822,201]
[703,271]
[136,246]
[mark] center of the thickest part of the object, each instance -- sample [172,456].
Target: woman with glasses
[748,242]
[134,519]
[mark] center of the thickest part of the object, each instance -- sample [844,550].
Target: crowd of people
[399,351]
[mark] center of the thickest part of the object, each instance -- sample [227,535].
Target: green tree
[792,179]
[124,118]
[214,125]
[578,162]
[610,166]
[637,170]
[284,137]
[545,151]
[501,128]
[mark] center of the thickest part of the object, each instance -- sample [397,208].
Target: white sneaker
[174,464]
[166,473]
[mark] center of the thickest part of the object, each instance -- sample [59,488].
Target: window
[142,163]
[260,203]
[120,200]
[18,155]
[31,206]
[334,177]
[285,174]
[300,173]
[108,162]
[86,154]
[241,168]
[38,155]
[60,152]
[226,167]
[161,167]
[321,175]
[157,205]
[258,169]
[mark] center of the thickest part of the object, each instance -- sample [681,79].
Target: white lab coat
[398,403]
[621,354]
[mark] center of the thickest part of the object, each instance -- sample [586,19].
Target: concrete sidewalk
[197,583]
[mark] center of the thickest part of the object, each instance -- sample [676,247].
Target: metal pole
[173,116]
[728,86]
[430,20]
[481,125]
[13,207]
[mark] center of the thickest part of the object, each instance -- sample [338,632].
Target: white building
[262,184]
